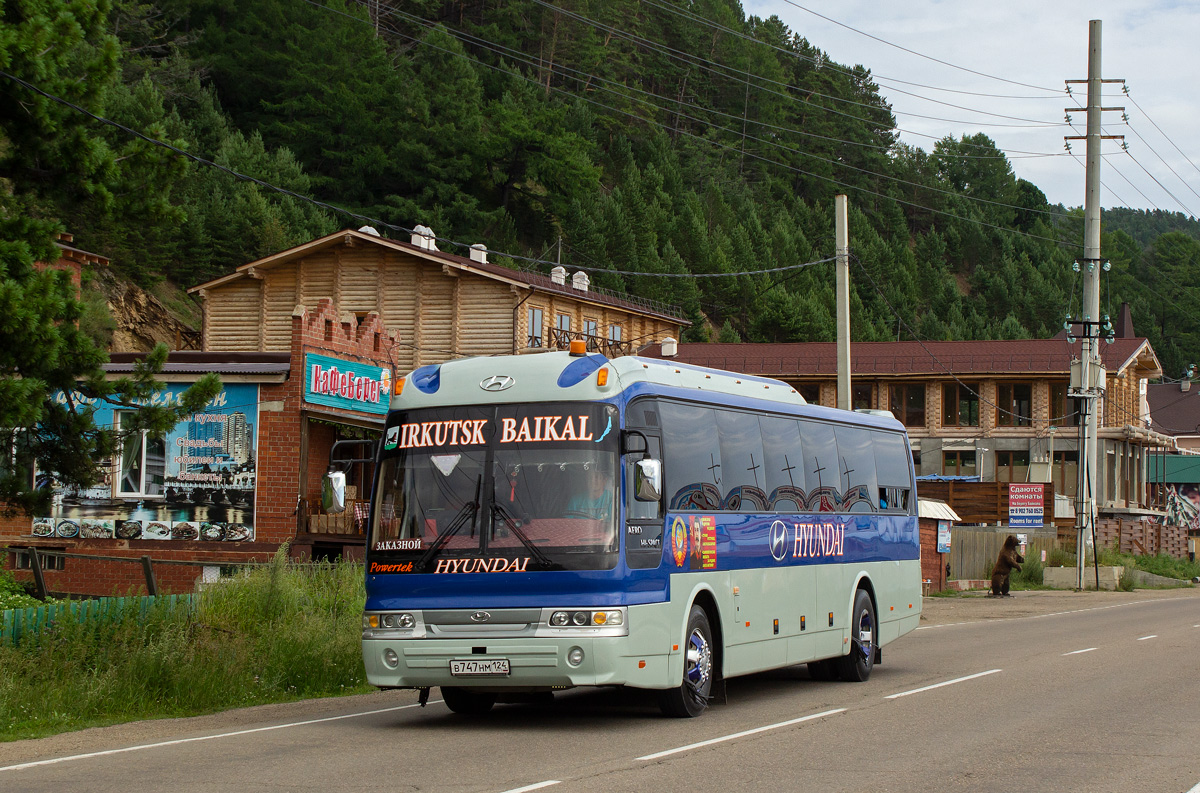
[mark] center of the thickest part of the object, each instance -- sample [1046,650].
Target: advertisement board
[196,483]
[351,385]
[1025,510]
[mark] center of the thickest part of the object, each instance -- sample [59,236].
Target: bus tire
[691,697]
[466,702]
[857,665]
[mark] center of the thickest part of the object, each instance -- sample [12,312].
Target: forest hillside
[635,136]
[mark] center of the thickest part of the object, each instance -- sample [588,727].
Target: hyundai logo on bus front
[497,382]
[481,616]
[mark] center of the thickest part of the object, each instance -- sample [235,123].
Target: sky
[1153,46]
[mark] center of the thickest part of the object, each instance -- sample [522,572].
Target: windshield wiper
[466,513]
[511,523]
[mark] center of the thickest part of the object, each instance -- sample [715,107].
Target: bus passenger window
[783,464]
[743,476]
[895,479]
[692,462]
[822,469]
[856,467]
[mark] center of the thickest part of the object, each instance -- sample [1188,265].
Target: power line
[918,54]
[694,60]
[744,153]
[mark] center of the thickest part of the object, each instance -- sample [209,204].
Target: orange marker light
[602,377]
[747,624]
[641,664]
[674,647]
[400,385]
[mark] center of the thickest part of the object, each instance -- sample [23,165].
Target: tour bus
[553,520]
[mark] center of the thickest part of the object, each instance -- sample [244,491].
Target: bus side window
[743,476]
[892,461]
[856,470]
[692,466]
[783,464]
[822,469]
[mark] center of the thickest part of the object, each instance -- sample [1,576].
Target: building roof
[936,509]
[1174,411]
[195,362]
[523,278]
[895,359]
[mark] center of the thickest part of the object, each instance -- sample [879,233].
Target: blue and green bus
[546,521]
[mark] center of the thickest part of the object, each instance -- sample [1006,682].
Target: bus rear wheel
[856,667]
[466,702]
[691,697]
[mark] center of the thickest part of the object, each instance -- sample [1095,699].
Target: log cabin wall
[438,310]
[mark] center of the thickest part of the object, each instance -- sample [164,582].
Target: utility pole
[842,243]
[1087,374]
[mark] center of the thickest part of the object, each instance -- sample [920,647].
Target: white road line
[538,786]
[1040,616]
[743,734]
[1077,652]
[140,747]
[1196,787]
[1151,636]
[947,683]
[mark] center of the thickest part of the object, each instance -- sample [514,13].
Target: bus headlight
[559,619]
[587,619]
[401,620]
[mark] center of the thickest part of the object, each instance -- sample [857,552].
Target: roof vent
[479,253]
[580,281]
[423,237]
[558,275]
[670,347]
[369,230]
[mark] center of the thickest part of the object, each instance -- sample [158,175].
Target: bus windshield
[506,488]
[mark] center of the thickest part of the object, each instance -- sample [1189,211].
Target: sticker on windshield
[445,463]
[392,438]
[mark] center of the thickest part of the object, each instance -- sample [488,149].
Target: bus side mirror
[647,480]
[333,493]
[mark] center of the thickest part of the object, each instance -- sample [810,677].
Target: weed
[272,634]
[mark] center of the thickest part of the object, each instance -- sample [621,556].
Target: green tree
[49,152]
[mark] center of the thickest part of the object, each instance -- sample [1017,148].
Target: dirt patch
[973,607]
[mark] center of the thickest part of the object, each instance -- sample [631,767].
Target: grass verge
[274,634]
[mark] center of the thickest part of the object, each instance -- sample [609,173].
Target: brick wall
[280,480]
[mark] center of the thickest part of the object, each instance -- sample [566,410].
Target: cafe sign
[351,385]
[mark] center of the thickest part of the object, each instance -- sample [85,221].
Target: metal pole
[1091,371]
[842,241]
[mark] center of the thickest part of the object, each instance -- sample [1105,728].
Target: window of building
[959,463]
[142,464]
[564,322]
[535,327]
[1012,466]
[811,393]
[861,397]
[589,334]
[960,405]
[614,332]
[1014,404]
[1065,473]
[1064,411]
[23,560]
[908,404]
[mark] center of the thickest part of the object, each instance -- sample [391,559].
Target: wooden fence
[1142,537]
[16,623]
[973,549]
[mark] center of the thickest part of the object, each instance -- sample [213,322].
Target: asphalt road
[1045,691]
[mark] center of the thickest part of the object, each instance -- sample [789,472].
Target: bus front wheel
[857,666]
[467,702]
[691,697]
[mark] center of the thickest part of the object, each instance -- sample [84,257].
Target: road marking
[1151,636]
[538,786]
[947,683]
[1040,616]
[139,747]
[1196,787]
[743,734]
[1077,652]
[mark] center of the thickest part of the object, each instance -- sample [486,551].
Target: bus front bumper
[532,663]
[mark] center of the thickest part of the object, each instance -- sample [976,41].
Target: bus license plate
[487,666]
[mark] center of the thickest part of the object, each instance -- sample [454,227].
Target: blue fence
[22,622]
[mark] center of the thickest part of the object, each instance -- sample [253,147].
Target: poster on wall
[1025,505]
[943,536]
[195,484]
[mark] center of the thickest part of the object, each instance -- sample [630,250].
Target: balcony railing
[559,339]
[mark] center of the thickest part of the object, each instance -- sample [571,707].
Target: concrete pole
[842,242]
[1085,505]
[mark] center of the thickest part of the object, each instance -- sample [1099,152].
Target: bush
[1030,574]
[272,634]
